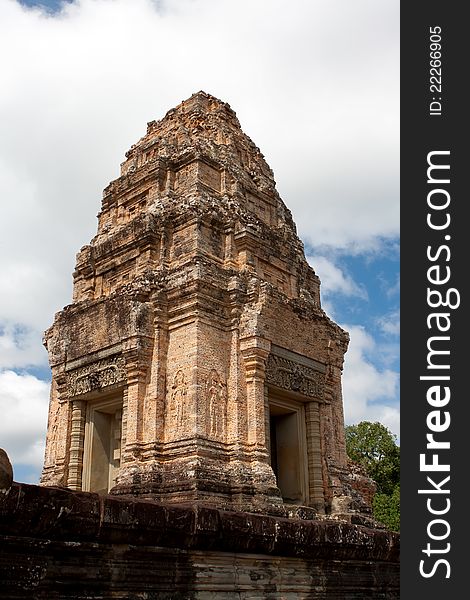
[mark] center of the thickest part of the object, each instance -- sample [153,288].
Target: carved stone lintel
[95,376]
[292,376]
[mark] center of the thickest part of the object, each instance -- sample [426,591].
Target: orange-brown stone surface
[195,362]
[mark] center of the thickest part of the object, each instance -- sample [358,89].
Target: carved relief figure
[216,405]
[178,410]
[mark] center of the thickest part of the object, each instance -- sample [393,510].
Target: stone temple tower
[195,362]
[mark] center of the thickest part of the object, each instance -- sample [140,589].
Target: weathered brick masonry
[196,362]
[196,412]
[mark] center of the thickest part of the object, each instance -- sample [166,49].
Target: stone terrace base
[59,544]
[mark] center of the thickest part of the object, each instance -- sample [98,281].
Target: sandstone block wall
[58,544]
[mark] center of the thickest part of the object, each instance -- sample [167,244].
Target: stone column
[338,417]
[77,436]
[255,352]
[124,421]
[136,388]
[315,476]
[267,421]
[155,393]
[332,419]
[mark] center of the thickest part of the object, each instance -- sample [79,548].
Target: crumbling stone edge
[63,515]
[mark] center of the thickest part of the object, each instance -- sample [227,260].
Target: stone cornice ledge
[49,513]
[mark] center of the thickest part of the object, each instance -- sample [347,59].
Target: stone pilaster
[154,412]
[77,437]
[255,352]
[136,390]
[314,453]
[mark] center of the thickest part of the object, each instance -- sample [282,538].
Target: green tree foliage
[374,447]
[387,509]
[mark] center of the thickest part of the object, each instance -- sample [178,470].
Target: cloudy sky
[314,83]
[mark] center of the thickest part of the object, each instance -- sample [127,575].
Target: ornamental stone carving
[292,376]
[95,376]
[192,299]
[216,403]
[178,409]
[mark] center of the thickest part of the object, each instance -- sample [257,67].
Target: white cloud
[369,392]
[394,290]
[79,87]
[23,404]
[390,323]
[329,308]
[334,279]
[315,84]
[20,347]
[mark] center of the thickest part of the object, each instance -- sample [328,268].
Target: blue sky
[53,5]
[314,84]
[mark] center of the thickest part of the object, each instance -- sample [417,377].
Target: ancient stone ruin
[195,362]
[196,380]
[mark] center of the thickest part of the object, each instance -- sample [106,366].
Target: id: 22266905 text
[435,71]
